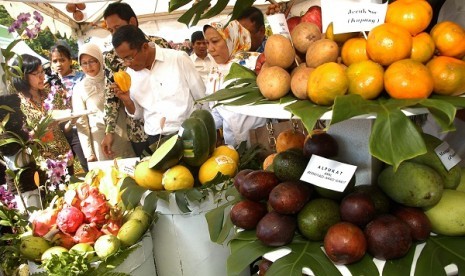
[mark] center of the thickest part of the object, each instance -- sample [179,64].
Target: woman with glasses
[89,95]
[61,61]
[33,94]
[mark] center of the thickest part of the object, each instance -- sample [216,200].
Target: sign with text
[447,155]
[352,16]
[278,24]
[327,173]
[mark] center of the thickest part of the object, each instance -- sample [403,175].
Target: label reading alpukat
[327,173]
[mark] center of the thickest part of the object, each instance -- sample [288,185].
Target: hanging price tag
[278,24]
[327,173]
[447,155]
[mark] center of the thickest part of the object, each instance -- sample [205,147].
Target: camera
[51,78]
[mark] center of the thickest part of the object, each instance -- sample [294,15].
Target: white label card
[278,24]
[352,16]
[447,155]
[327,173]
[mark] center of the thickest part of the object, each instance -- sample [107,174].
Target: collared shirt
[203,65]
[167,90]
[135,129]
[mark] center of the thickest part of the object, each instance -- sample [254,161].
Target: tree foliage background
[45,39]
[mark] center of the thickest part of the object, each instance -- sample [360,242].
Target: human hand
[107,143]
[92,158]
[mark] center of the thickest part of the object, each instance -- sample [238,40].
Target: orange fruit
[290,139]
[366,78]
[408,79]
[268,160]
[387,43]
[414,16]
[354,50]
[327,81]
[449,38]
[422,47]
[448,75]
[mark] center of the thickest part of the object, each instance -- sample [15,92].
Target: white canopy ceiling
[153,15]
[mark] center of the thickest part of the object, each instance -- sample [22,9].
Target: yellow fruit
[216,164]
[339,38]
[328,81]
[228,151]
[366,79]
[147,177]
[123,80]
[177,178]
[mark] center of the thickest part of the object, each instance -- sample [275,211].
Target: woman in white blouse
[88,96]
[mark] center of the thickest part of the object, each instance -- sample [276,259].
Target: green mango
[430,158]
[461,186]
[448,215]
[131,232]
[413,184]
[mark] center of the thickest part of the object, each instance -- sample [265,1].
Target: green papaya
[430,158]
[209,121]
[194,137]
[413,184]
[448,215]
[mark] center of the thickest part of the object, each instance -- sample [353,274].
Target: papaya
[413,184]
[209,121]
[448,215]
[167,154]
[430,158]
[194,135]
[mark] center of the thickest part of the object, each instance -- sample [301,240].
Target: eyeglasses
[91,62]
[39,73]
[131,59]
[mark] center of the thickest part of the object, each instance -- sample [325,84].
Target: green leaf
[238,71]
[192,16]
[215,219]
[176,4]
[365,266]
[226,94]
[150,203]
[238,82]
[250,98]
[181,201]
[240,7]
[443,112]
[244,252]
[216,9]
[132,195]
[349,106]
[439,252]
[114,261]
[308,112]
[394,138]
[454,100]
[400,266]
[195,195]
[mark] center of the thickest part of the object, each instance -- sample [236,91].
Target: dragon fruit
[87,233]
[69,219]
[62,239]
[95,207]
[44,221]
[114,221]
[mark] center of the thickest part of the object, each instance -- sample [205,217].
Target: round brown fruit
[419,223]
[274,82]
[81,6]
[263,266]
[275,229]
[345,243]
[357,208]
[246,214]
[305,34]
[70,7]
[290,139]
[289,197]
[320,143]
[257,185]
[78,15]
[388,237]
[239,178]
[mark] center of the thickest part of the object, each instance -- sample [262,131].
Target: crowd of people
[165,86]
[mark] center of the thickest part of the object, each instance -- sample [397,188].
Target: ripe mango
[447,217]
[430,158]
[131,232]
[413,184]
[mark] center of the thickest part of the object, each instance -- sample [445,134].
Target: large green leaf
[394,138]
[400,266]
[226,94]
[308,112]
[454,100]
[238,71]
[176,4]
[250,98]
[240,7]
[442,111]
[349,106]
[439,252]
[216,9]
[365,266]
[192,16]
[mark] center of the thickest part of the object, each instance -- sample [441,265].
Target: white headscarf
[97,83]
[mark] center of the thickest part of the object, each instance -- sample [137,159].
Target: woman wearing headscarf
[228,44]
[88,96]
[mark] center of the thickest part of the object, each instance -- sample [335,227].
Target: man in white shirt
[164,82]
[203,61]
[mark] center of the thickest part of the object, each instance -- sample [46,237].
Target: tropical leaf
[308,112]
[240,7]
[400,266]
[349,106]
[192,16]
[176,4]
[238,71]
[250,98]
[226,94]
[365,266]
[216,9]
[443,112]
[150,203]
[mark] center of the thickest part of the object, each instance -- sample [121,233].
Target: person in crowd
[61,86]
[202,60]
[33,95]
[88,95]
[116,15]
[164,85]
[229,44]
[253,20]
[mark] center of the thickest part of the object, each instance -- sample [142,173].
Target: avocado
[289,165]
[413,184]
[430,158]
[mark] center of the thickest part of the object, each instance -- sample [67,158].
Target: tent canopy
[153,15]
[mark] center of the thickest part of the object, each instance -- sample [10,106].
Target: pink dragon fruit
[69,219]
[44,221]
[95,207]
[87,233]
[62,239]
